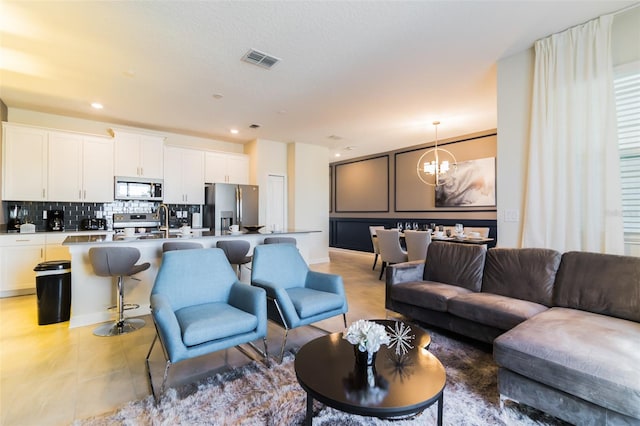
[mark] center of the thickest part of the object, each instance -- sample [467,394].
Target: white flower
[367,335]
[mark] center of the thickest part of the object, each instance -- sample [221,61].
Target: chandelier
[435,163]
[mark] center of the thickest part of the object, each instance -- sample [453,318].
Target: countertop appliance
[227,204]
[149,221]
[15,218]
[55,220]
[93,224]
[135,188]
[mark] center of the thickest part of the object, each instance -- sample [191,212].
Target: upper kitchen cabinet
[226,168]
[24,156]
[138,154]
[183,176]
[80,168]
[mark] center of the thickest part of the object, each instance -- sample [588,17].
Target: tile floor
[51,375]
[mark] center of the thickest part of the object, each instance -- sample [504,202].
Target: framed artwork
[471,184]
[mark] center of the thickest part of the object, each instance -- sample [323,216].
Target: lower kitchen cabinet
[19,254]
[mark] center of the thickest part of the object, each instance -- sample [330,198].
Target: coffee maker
[55,220]
[15,218]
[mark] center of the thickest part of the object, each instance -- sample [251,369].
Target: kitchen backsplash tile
[32,211]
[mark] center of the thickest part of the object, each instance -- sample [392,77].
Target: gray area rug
[259,395]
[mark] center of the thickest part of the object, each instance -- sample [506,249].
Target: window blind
[627,94]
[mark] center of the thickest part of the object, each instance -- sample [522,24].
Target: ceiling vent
[260,59]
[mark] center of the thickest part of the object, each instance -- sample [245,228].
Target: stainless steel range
[149,221]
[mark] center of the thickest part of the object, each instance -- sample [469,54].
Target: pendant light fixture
[435,163]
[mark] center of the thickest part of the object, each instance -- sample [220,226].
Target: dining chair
[390,249]
[374,242]
[297,295]
[417,243]
[199,307]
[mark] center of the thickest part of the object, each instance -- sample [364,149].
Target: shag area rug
[259,395]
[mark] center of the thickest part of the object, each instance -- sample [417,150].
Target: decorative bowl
[253,228]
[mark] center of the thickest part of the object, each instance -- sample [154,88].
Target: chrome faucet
[165,228]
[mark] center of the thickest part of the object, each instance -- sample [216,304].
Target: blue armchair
[198,307]
[298,295]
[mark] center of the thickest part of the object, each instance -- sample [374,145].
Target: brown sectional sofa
[565,328]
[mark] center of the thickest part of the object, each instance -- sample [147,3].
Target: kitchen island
[92,295]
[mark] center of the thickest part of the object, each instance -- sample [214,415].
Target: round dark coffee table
[398,386]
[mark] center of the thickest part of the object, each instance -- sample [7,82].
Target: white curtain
[573,194]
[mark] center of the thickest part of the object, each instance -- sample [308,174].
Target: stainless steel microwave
[134,188]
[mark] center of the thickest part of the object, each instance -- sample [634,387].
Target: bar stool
[118,262]
[180,245]
[280,240]
[236,252]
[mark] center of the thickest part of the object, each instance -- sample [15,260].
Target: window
[627,93]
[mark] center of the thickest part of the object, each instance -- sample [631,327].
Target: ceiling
[365,75]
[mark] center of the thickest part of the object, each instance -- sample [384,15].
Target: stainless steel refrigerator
[227,204]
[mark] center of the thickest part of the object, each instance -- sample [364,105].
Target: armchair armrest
[252,300]
[322,281]
[282,297]
[249,299]
[167,327]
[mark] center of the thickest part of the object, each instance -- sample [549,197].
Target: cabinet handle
[141,171]
[79,194]
[85,194]
[41,253]
[22,241]
[43,194]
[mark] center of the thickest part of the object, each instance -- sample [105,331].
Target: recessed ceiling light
[234,131]
[254,126]
[217,96]
[96,105]
[337,154]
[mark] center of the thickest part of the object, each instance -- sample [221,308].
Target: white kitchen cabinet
[226,168]
[24,157]
[80,168]
[19,254]
[138,155]
[183,176]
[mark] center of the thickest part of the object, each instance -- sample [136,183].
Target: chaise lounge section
[565,328]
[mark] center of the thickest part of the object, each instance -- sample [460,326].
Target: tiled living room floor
[51,375]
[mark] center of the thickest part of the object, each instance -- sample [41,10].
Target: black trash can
[53,289]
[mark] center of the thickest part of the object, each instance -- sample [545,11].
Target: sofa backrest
[526,274]
[455,264]
[601,283]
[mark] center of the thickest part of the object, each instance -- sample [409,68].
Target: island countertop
[91,295]
[109,237]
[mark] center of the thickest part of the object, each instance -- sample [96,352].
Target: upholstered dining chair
[374,242]
[198,307]
[297,296]
[180,245]
[417,243]
[390,249]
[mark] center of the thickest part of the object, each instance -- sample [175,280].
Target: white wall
[309,196]
[515,82]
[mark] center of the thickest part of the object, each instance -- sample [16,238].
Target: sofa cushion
[602,283]
[426,294]
[526,274]
[591,356]
[212,321]
[455,264]
[494,310]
